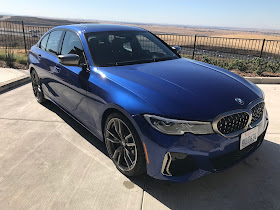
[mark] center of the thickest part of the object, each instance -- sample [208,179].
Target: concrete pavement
[10,78]
[48,161]
[7,74]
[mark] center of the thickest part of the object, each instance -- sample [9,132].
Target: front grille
[224,161]
[233,123]
[257,112]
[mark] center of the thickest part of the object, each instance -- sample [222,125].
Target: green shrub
[273,67]
[238,64]
[10,59]
[2,56]
[206,59]
[257,65]
[22,59]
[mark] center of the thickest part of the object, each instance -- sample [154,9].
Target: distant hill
[35,21]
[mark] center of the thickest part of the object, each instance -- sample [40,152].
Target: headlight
[178,127]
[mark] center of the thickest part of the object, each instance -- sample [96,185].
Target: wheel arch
[106,114]
[114,108]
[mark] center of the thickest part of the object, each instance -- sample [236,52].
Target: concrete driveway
[48,161]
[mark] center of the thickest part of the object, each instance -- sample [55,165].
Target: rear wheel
[37,88]
[124,145]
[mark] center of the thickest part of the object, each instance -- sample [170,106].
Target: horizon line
[143,23]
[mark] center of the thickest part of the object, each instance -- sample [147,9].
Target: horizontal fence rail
[229,48]
[18,37]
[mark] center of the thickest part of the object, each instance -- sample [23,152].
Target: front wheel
[37,88]
[124,145]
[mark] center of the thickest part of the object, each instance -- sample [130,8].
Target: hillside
[35,21]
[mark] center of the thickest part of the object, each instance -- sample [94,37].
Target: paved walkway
[47,160]
[7,74]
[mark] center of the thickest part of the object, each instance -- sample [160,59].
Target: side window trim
[61,42]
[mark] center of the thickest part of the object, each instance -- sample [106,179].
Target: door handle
[39,57]
[57,69]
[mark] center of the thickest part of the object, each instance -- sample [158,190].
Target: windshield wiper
[163,59]
[121,63]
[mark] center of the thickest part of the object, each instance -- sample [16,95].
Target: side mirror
[69,60]
[176,49]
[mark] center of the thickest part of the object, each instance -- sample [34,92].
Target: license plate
[248,137]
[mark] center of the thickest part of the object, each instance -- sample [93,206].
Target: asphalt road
[48,161]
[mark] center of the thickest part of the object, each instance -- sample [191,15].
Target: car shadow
[251,184]
[77,127]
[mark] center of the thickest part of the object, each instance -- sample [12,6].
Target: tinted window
[72,45]
[114,48]
[44,41]
[147,44]
[53,41]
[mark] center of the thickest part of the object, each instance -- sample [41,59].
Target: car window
[44,41]
[114,48]
[72,45]
[147,44]
[53,42]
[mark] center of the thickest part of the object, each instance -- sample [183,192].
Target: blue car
[157,113]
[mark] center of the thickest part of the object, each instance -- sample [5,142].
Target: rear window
[53,42]
[44,41]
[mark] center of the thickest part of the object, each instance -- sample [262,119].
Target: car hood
[184,88]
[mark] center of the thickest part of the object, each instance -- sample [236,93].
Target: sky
[238,13]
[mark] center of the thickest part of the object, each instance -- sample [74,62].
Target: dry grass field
[209,31]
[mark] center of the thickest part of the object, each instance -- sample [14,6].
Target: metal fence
[18,37]
[224,48]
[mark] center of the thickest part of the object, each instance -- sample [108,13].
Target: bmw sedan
[157,113]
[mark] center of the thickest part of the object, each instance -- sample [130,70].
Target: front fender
[104,94]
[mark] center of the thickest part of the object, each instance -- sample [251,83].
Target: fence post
[194,46]
[24,40]
[262,48]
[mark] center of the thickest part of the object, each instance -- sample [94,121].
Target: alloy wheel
[121,144]
[35,85]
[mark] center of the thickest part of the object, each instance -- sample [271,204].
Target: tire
[37,88]
[124,145]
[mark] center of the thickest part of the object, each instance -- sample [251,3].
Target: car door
[48,58]
[42,67]
[73,80]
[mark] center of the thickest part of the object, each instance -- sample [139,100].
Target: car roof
[95,27]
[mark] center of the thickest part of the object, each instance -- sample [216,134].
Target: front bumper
[208,153]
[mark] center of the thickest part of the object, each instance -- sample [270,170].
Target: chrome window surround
[247,110]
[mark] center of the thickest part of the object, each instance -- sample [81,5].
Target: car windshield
[116,48]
